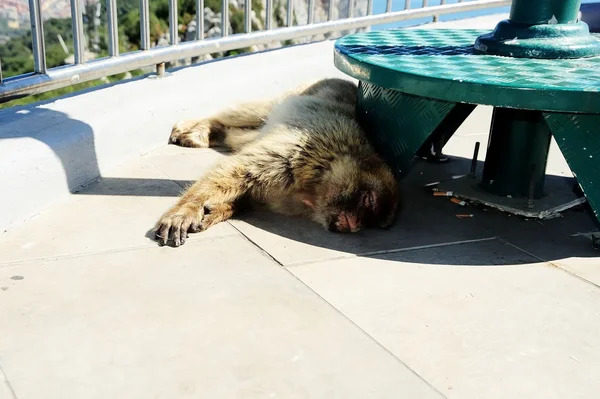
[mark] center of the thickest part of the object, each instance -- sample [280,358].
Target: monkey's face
[354,198]
[349,211]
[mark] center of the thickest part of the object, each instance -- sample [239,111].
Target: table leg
[432,149]
[399,124]
[578,137]
[517,154]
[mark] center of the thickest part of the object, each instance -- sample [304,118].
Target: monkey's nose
[352,222]
[345,223]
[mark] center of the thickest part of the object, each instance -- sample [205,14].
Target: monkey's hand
[209,201]
[191,133]
[178,221]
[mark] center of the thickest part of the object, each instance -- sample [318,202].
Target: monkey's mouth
[345,222]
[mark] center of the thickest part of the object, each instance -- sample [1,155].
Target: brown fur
[302,154]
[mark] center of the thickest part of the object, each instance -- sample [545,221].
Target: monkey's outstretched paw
[191,133]
[176,223]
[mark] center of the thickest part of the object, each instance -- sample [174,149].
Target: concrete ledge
[50,150]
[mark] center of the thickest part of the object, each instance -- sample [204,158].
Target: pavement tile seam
[255,244]
[106,251]
[551,264]
[6,388]
[363,331]
[264,252]
[394,250]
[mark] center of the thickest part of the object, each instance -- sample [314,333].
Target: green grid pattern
[449,55]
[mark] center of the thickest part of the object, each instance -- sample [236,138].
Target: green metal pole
[547,29]
[534,12]
[517,148]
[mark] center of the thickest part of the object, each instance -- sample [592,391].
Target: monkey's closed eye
[369,201]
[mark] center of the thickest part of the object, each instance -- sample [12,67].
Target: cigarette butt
[457,201]
[464,216]
[443,194]
[435,183]
[457,177]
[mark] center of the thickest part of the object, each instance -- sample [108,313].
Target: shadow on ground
[425,222]
[428,222]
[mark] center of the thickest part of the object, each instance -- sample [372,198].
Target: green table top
[442,64]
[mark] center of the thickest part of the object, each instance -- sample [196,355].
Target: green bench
[540,70]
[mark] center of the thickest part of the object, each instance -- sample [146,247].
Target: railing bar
[350,8]
[407,5]
[0,72]
[269,15]
[436,18]
[173,22]
[311,11]
[424,3]
[37,36]
[247,16]
[113,28]
[370,7]
[330,11]
[290,13]
[388,6]
[19,86]
[199,19]
[77,24]
[224,18]
[144,25]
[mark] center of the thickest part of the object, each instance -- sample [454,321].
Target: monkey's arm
[233,128]
[209,201]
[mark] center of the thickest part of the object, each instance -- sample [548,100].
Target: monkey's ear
[307,198]
[308,202]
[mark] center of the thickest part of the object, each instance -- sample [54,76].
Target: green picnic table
[540,70]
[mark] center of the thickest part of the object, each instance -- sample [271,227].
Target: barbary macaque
[302,154]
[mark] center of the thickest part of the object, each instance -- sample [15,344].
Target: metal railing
[44,79]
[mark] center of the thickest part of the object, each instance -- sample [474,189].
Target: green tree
[130,25]
[17,54]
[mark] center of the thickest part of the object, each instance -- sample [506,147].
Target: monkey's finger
[162,233]
[177,234]
[185,227]
[157,235]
